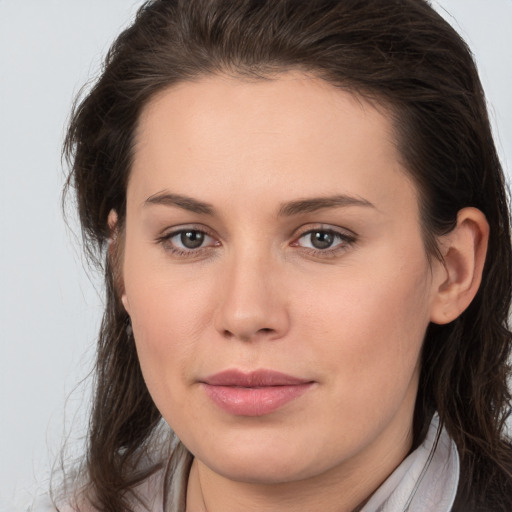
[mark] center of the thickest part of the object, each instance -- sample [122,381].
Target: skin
[256,294]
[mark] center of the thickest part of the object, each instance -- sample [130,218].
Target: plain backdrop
[49,307]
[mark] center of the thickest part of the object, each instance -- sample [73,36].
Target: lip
[255,393]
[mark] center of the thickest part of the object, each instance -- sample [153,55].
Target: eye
[187,241]
[190,239]
[324,240]
[320,239]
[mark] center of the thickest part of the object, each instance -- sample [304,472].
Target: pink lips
[253,394]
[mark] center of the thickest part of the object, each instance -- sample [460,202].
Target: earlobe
[112,223]
[124,300]
[464,250]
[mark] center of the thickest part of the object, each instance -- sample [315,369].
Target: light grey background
[49,309]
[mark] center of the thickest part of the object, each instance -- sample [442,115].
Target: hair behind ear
[465,362]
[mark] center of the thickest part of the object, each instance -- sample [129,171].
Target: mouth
[253,394]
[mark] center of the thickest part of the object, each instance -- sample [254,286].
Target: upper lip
[257,378]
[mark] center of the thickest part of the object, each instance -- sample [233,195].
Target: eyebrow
[289,209]
[318,203]
[184,202]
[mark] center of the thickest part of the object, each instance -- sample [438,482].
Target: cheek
[168,317]
[369,329]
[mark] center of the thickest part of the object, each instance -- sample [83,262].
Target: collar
[426,481]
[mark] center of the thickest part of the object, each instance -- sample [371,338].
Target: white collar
[426,481]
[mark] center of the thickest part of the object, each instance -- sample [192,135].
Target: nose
[251,303]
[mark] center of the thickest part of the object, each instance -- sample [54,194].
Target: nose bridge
[251,304]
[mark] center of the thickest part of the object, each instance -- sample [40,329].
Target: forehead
[286,136]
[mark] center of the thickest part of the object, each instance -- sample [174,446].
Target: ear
[115,251]
[464,250]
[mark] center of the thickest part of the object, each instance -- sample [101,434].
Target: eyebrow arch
[184,202]
[318,203]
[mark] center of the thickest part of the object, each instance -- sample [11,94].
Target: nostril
[247,336]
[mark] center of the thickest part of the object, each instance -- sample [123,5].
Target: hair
[397,53]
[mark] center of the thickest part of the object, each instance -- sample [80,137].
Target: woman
[307,258]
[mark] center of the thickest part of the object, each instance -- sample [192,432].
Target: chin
[261,471]
[266,462]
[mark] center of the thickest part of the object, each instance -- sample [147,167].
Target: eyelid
[330,228]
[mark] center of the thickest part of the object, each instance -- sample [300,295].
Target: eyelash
[345,240]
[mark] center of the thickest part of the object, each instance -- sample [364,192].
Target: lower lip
[256,401]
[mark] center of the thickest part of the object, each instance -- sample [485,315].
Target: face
[275,276]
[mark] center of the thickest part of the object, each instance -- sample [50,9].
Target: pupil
[192,239]
[322,240]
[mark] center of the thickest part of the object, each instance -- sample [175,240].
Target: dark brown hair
[397,53]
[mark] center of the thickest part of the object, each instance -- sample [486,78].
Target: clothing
[426,481]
